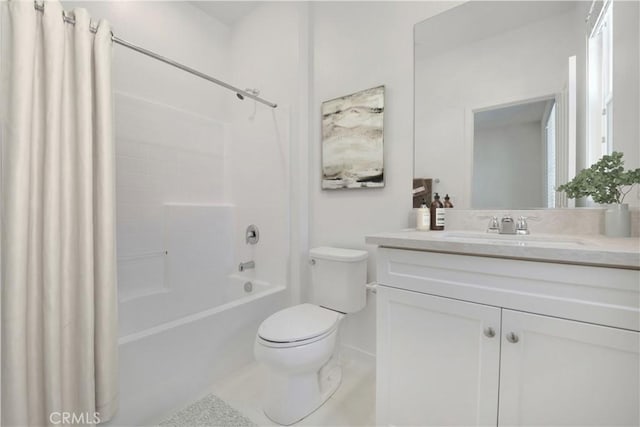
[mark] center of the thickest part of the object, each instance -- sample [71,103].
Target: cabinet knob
[489,332]
[512,338]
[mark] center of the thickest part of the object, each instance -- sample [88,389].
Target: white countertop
[573,249]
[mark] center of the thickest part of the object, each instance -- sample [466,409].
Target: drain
[248,286]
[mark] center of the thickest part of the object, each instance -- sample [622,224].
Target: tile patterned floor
[353,404]
[237,400]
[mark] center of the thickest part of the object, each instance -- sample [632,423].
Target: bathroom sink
[512,239]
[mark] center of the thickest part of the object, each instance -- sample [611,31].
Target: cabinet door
[437,361]
[562,372]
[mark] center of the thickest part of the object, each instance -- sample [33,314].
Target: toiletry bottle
[437,213]
[447,203]
[423,217]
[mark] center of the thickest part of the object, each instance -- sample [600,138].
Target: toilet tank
[339,278]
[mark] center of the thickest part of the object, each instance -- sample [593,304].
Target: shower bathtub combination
[187,316]
[193,156]
[168,365]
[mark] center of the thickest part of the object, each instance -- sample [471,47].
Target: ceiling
[227,12]
[512,115]
[477,20]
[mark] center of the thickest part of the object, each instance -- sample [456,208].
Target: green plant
[605,181]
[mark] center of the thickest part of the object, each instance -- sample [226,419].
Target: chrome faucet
[252,235]
[507,225]
[494,225]
[521,226]
[246,265]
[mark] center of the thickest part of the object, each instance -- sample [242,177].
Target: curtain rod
[68,19]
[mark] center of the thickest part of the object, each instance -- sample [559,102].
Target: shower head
[254,92]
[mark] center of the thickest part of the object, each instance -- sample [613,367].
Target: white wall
[265,53]
[358,45]
[3,87]
[494,149]
[177,30]
[490,72]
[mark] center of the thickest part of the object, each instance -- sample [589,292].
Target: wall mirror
[525,130]
[502,113]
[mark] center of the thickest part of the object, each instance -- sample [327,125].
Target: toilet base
[292,398]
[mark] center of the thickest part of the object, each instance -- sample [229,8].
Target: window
[600,83]
[550,140]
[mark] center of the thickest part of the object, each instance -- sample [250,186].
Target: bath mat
[208,412]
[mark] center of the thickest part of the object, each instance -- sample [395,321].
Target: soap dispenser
[437,213]
[447,202]
[423,217]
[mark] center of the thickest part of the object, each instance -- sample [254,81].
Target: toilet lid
[298,323]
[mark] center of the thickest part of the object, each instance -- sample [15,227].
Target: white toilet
[298,344]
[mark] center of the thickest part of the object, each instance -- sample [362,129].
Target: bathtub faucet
[246,265]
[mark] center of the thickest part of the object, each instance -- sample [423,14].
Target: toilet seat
[298,325]
[291,344]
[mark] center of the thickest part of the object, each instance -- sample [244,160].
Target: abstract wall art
[352,140]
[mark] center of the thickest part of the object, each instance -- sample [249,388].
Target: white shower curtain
[58,306]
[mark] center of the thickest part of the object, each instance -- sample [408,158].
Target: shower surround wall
[195,167]
[264,54]
[175,226]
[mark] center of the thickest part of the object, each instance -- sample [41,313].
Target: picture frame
[353,140]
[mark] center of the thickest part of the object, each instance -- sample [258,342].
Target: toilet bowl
[298,345]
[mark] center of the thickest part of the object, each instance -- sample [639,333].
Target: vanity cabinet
[435,364]
[563,372]
[467,340]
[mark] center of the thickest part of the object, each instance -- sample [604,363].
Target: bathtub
[171,364]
